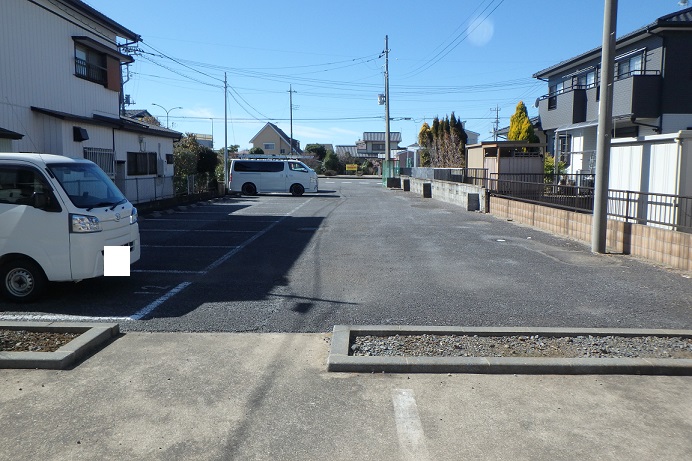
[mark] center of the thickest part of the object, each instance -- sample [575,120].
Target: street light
[167,111]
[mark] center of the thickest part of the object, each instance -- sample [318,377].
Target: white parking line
[147,309]
[408,426]
[163,271]
[60,318]
[196,247]
[231,253]
[198,230]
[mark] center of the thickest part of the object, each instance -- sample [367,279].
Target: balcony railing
[635,92]
[90,71]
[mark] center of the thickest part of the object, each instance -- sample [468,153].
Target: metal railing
[570,192]
[475,176]
[90,71]
[576,193]
[658,210]
[151,189]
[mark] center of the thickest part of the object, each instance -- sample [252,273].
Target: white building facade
[60,89]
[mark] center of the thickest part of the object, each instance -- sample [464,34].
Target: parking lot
[357,253]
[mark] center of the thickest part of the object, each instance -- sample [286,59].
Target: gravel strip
[523,346]
[33,341]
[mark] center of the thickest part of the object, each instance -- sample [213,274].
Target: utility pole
[387,146]
[497,121]
[290,102]
[599,226]
[225,132]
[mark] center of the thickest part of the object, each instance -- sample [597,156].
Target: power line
[452,45]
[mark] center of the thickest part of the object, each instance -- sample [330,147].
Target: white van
[254,176]
[56,216]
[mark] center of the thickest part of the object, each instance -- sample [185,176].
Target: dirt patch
[33,341]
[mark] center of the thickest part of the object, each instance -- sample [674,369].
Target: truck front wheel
[22,280]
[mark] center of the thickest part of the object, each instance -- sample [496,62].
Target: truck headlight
[133,216]
[82,224]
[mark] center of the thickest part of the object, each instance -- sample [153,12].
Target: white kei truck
[57,215]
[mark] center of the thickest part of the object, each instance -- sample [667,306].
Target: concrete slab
[211,396]
[340,360]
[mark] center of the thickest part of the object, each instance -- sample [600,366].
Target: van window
[18,185]
[87,185]
[258,167]
[297,166]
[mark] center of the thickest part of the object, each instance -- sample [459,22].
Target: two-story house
[273,141]
[60,88]
[651,91]
[373,144]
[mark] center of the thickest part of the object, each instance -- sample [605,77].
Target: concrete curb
[92,336]
[339,359]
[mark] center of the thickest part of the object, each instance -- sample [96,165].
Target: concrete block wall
[471,198]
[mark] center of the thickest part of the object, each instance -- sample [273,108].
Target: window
[90,64]
[565,148]
[632,65]
[258,167]
[19,184]
[554,90]
[269,146]
[378,147]
[586,80]
[104,158]
[141,163]
[295,166]
[626,132]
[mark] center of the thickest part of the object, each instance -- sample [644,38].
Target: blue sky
[468,56]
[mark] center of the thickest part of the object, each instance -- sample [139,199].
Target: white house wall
[38,69]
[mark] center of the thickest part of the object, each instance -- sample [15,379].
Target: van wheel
[297,190]
[23,280]
[248,189]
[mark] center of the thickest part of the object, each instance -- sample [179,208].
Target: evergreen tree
[425,141]
[520,127]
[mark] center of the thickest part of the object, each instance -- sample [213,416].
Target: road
[357,253]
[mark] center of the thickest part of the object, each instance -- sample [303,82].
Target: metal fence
[658,210]
[475,176]
[572,192]
[151,189]
[576,193]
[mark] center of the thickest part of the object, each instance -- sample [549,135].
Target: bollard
[394,183]
[427,190]
[474,202]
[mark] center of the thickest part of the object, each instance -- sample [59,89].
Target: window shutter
[113,73]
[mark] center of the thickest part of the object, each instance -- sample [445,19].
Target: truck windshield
[87,185]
